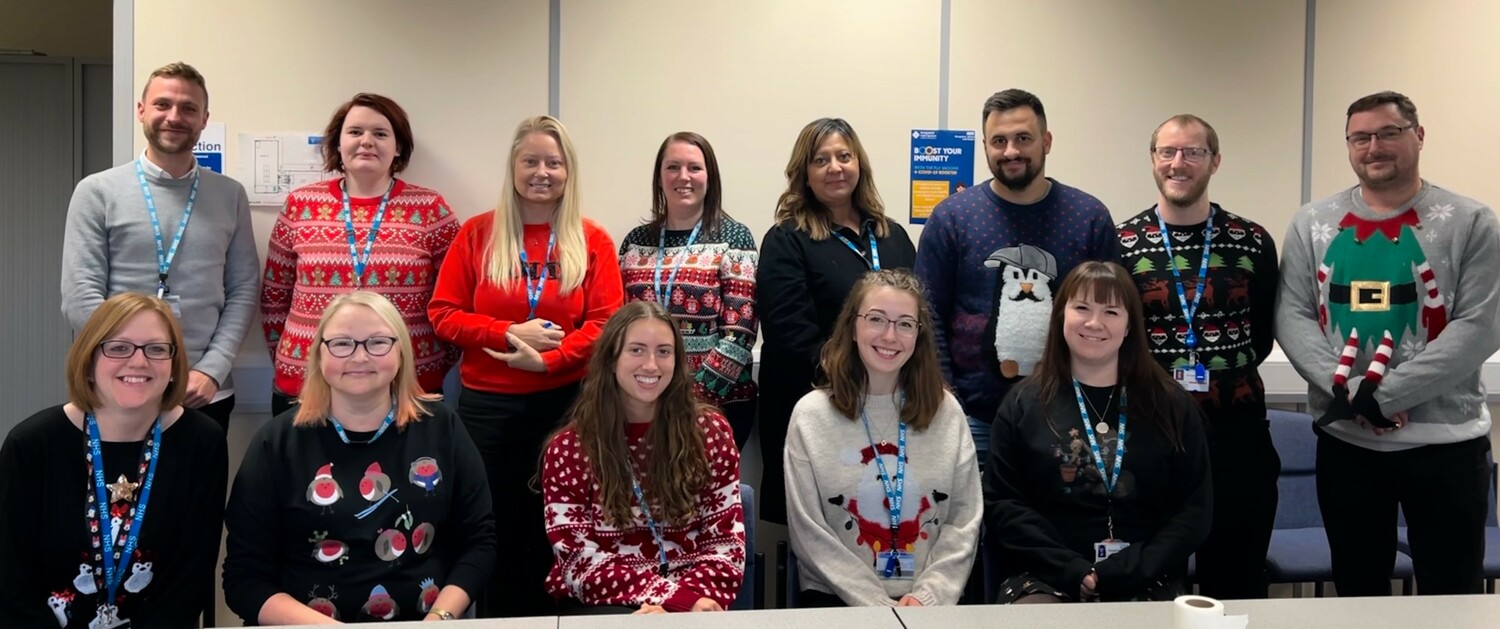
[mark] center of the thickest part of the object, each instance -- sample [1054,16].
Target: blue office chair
[1299,550]
[788,582]
[752,594]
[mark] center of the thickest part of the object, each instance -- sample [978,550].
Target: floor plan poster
[274,164]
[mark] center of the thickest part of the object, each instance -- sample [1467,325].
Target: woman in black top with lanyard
[1097,485]
[830,230]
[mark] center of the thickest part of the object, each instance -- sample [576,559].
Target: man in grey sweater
[163,226]
[1389,306]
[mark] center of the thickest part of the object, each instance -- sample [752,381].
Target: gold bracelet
[441,613]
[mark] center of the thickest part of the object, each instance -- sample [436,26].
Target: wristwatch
[442,614]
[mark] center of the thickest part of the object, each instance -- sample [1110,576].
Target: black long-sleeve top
[44,485]
[1045,504]
[295,523]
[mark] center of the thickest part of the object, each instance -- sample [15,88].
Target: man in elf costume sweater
[1389,306]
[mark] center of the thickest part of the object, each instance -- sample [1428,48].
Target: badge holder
[898,565]
[1194,375]
[165,294]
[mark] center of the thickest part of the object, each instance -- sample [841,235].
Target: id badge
[1106,549]
[176,303]
[109,618]
[906,564]
[1192,377]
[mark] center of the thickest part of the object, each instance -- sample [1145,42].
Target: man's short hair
[1185,120]
[1377,100]
[1014,99]
[178,70]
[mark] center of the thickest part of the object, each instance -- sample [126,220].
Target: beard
[1186,198]
[1018,182]
[1392,174]
[168,147]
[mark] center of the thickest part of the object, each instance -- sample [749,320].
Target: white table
[858,618]
[537,622]
[1396,612]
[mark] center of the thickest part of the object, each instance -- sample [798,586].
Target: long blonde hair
[504,250]
[315,402]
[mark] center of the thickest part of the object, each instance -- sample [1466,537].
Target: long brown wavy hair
[1150,388]
[800,205]
[921,378]
[678,467]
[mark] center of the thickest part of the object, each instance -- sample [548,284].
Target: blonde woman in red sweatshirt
[524,293]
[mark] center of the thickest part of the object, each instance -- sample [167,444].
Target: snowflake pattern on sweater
[600,564]
[308,266]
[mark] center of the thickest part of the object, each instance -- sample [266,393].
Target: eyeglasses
[904,327]
[1191,154]
[343,347]
[123,350]
[1386,134]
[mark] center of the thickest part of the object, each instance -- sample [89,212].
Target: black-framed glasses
[123,350]
[1191,154]
[904,327]
[343,347]
[1386,134]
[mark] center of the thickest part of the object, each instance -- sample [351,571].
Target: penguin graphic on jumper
[1023,306]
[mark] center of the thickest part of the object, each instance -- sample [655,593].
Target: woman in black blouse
[122,455]
[366,501]
[830,230]
[1097,486]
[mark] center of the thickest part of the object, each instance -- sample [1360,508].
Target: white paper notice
[271,165]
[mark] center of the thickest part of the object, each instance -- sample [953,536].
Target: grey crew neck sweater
[109,248]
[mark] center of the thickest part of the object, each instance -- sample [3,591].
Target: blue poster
[942,164]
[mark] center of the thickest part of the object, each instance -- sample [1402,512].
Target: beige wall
[748,76]
[59,28]
[1443,54]
[464,70]
[1108,72]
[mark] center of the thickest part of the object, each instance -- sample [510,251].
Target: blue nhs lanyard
[361,261]
[895,492]
[1088,427]
[115,561]
[1189,310]
[874,260]
[661,546]
[534,291]
[164,255]
[665,299]
[390,418]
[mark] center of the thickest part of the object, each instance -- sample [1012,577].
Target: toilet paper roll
[1202,612]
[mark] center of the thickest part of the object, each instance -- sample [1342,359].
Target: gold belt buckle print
[1369,296]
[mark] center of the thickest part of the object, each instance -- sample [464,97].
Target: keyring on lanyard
[874,260]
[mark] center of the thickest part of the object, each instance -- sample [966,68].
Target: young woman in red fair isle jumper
[365,230]
[642,485]
[699,265]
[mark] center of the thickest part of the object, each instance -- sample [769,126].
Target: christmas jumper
[989,267]
[712,300]
[1235,317]
[359,531]
[1398,310]
[308,266]
[600,564]
[49,577]
[1045,504]
[839,515]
